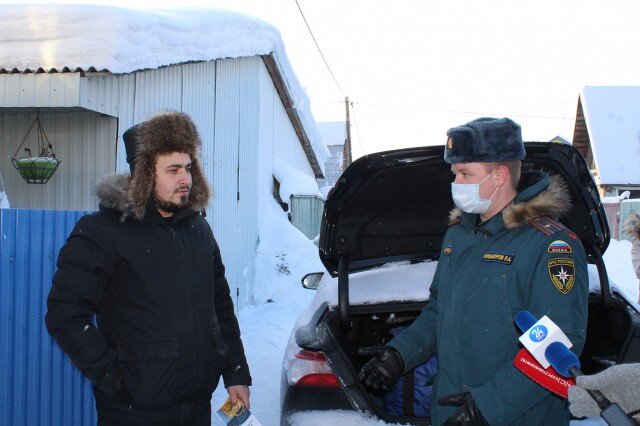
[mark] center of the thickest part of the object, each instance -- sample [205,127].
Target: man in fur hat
[504,252]
[149,269]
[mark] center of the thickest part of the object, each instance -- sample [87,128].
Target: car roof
[395,205]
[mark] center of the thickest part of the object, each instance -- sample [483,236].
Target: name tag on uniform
[506,259]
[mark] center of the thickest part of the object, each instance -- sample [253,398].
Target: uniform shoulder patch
[549,226]
[447,250]
[559,246]
[562,272]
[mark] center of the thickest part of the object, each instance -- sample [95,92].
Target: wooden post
[346,154]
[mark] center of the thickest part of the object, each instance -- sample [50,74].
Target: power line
[329,103]
[319,50]
[541,105]
[481,113]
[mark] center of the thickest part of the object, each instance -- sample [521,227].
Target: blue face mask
[466,196]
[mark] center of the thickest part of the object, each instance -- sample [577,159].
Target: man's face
[173,182]
[474,173]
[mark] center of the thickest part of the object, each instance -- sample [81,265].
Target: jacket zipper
[181,243]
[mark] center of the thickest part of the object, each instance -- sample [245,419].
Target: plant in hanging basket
[37,169]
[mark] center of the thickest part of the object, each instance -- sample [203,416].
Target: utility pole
[347,156]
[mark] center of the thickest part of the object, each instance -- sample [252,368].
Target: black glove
[467,415]
[383,371]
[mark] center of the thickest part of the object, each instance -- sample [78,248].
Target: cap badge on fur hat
[485,140]
[449,143]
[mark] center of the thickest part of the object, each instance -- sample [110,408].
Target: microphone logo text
[538,333]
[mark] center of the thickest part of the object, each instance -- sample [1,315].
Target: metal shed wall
[248,160]
[199,101]
[38,384]
[112,95]
[235,163]
[277,136]
[39,90]
[83,141]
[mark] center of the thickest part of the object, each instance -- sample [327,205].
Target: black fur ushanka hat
[163,134]
[484,140]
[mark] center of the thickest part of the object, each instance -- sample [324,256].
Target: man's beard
[170,206]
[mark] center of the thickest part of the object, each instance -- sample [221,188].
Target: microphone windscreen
[561,358]
[524,320]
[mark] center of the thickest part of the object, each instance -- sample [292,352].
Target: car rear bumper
[296,399]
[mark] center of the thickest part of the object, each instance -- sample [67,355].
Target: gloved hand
[382,371]
[618,383]
[467,415]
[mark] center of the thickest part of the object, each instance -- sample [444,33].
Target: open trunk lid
[395,205]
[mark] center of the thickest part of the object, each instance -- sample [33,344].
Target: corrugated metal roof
[41,70]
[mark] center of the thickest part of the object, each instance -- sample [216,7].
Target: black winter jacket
[166,330]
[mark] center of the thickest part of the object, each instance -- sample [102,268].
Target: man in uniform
[149,269]
[504,252]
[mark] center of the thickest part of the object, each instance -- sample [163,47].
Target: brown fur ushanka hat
[163,134]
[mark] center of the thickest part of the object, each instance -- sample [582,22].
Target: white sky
[414,68]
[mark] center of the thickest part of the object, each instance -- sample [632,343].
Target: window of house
[276,195]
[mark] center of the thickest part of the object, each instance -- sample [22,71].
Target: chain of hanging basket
[37,169]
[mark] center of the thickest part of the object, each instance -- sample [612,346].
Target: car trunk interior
[613,335]
[372,325]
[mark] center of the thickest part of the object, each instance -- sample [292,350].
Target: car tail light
[310,369]
[319,381]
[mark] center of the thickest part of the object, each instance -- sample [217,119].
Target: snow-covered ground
[284,256]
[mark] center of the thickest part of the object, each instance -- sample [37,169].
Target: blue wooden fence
[38,383]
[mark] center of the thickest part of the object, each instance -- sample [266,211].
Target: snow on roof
[333,132]
[121,40]
[293,181]
[612,115]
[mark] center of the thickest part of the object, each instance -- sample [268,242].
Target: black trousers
[115,412]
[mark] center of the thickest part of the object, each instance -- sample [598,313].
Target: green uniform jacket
[520,259]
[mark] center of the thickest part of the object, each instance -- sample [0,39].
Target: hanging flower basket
[38,169]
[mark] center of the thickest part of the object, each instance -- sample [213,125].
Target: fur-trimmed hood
[631,225]
[161,134]
[112,190]
[552,201]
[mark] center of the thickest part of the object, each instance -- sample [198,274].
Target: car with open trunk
[381,235]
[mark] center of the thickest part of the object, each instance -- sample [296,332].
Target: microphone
[536,367]
[539,334]
[525,320]
[567,364]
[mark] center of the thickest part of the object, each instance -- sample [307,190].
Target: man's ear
[502,175]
